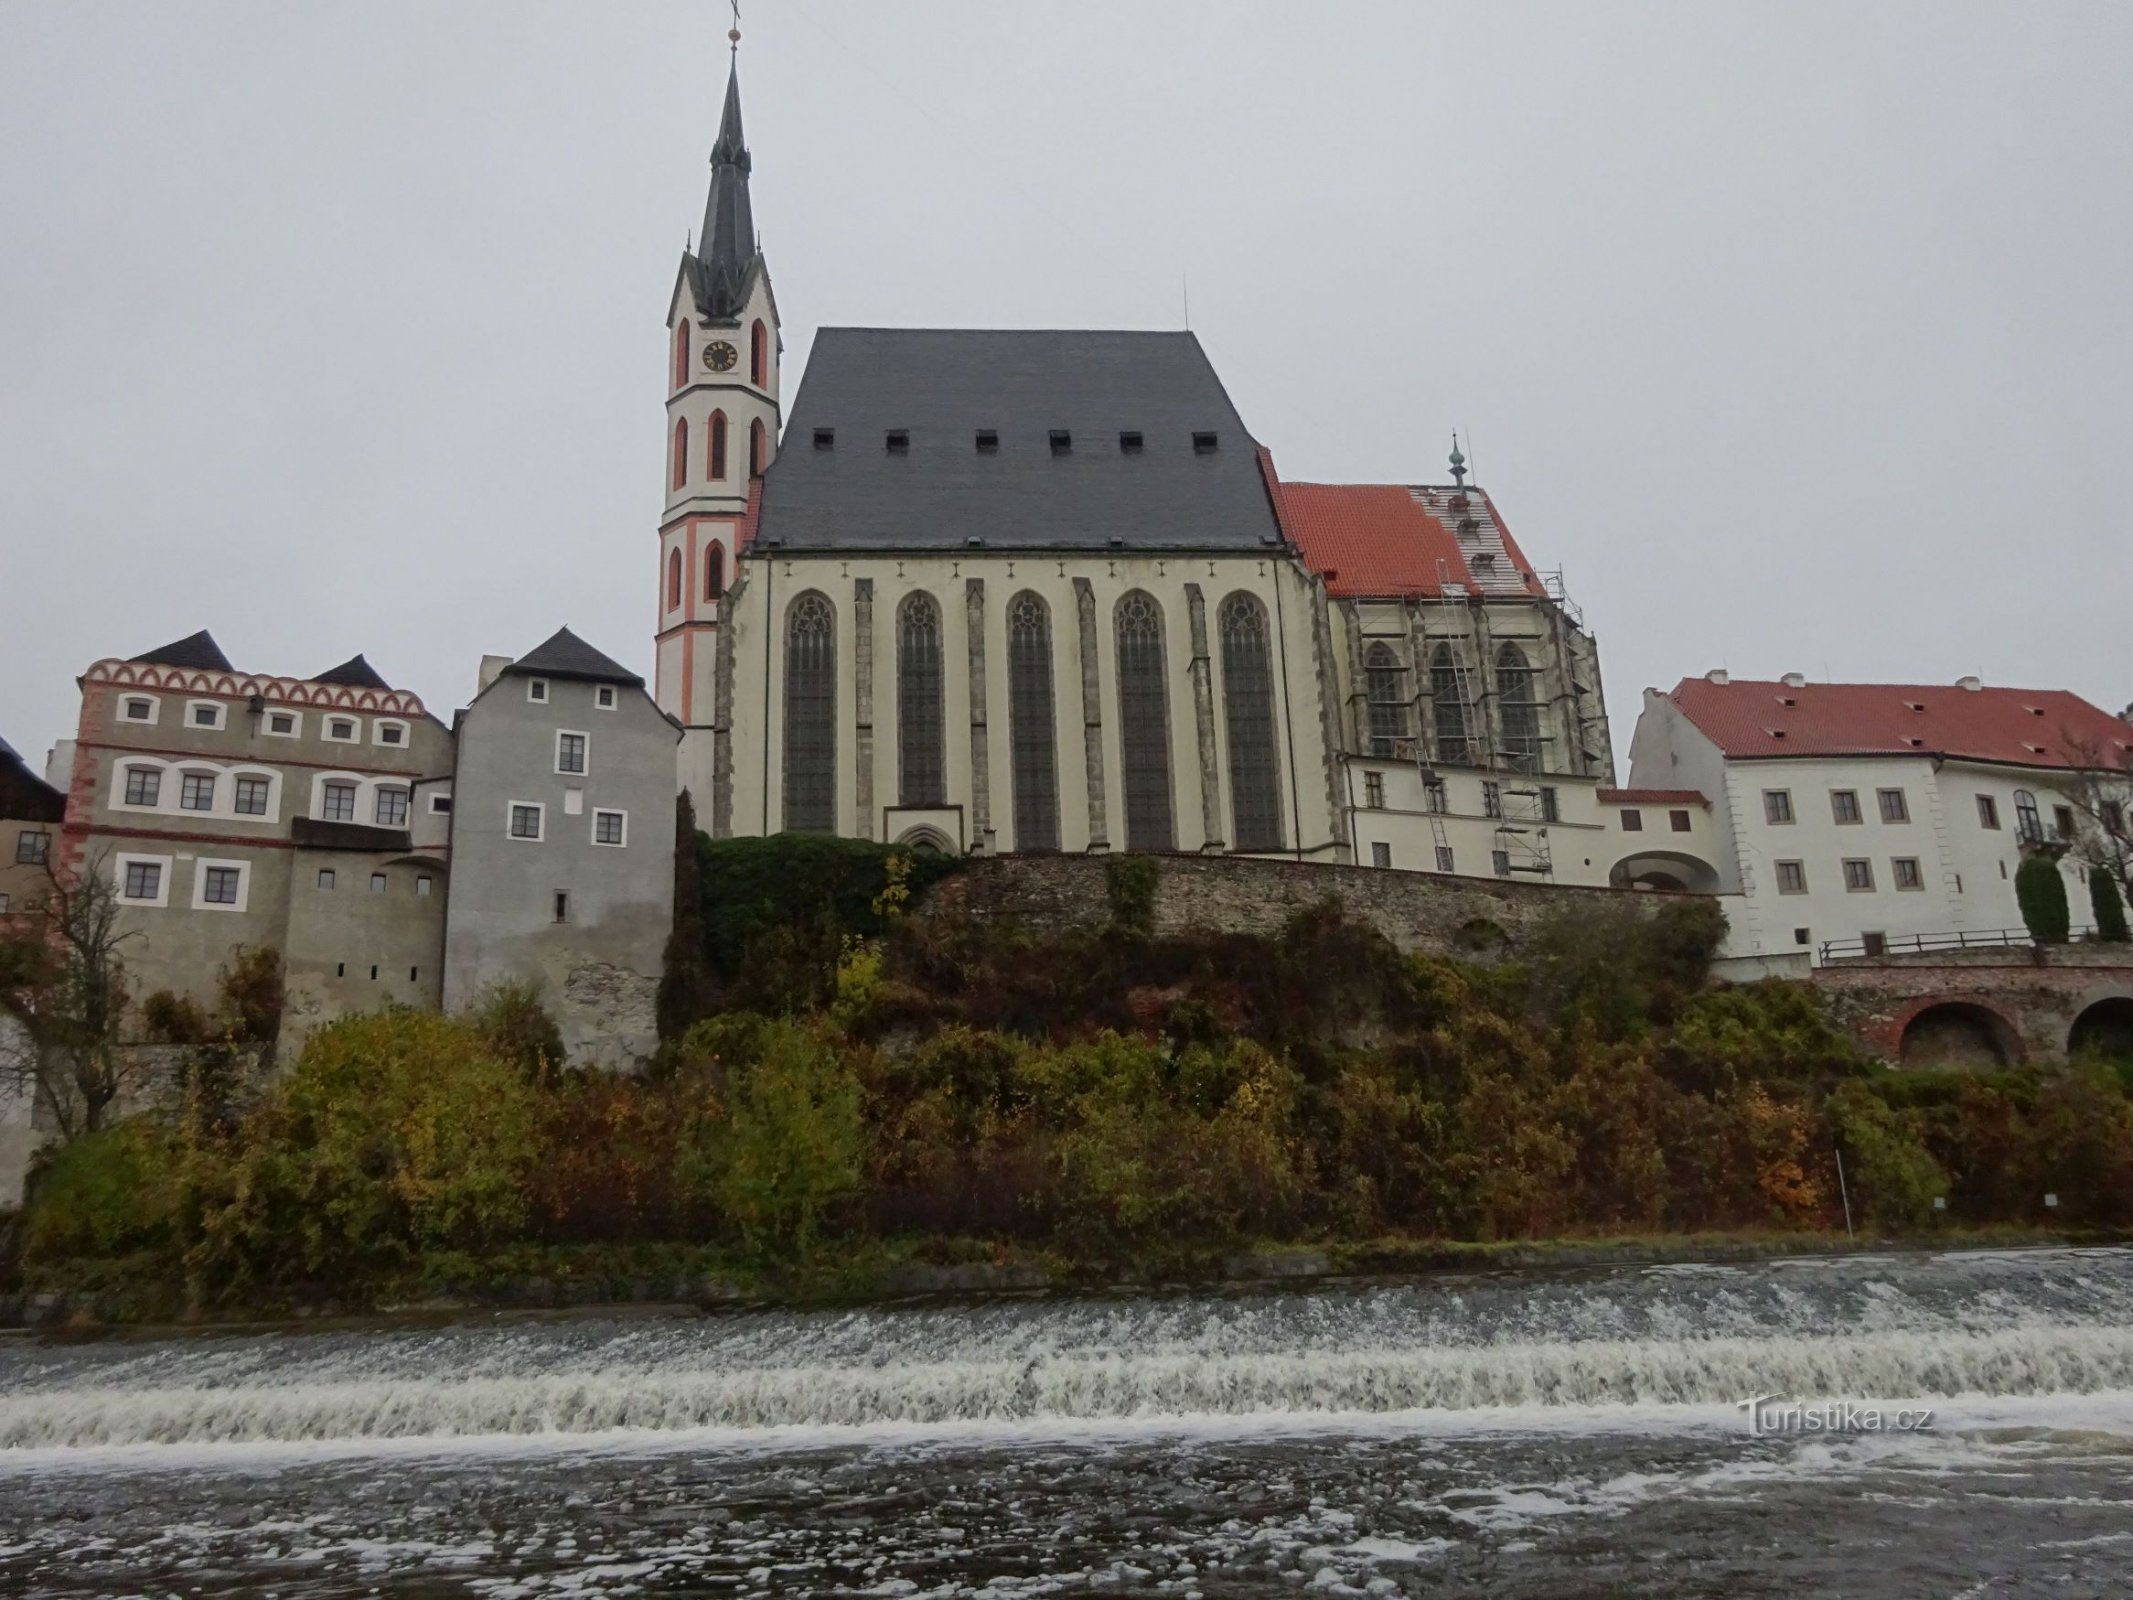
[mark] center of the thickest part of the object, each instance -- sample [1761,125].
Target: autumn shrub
[105,1194]
[516,1028]
[1892,1176]
[610,1161]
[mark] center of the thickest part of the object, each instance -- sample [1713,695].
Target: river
[1566,1434]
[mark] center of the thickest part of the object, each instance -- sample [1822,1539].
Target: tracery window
[921,759]
[1521,712]
[1248,708]
[1144,722]
[1448,701]
[1034,750]
[811,715]
[1387,698]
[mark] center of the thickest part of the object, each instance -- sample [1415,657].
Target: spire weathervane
[1458,463]
[733,34]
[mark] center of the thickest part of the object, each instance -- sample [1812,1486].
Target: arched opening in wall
[921,742]
[1033,752]
[756,446]
[681,352]
[1957,1033]
[714,571]
[1664,871]
[1144,722]
[1387,698]
[811,715]
[1521,712]
[929,839]
[758,354]
[1248,712]
[673,579]
[716,450]
[1448,704]
[2105,1029]
[681,451]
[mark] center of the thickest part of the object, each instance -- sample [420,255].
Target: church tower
[723,351]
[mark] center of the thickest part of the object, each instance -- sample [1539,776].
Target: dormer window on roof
[825,438]
[988,441]
[1787,700]
[898,441]
[1129,443]
[1203,444]
[1062,442]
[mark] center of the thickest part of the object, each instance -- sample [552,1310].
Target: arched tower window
[1144,722]
[921,757]
[673,579]
[1387,697]
[1248,709]
[714,571]
[717,448]
[681,451]
[757,444]
[759,354]
[1521,712]
[1448,700]
[1029,715]
[681,352]
[811,715]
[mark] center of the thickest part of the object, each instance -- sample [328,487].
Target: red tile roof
[2013,727]
[1653,797]
[1376,540]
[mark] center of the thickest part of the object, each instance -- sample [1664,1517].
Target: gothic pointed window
[681,352]
[1030,730]
[811,715]
[1521,712]
[759,354]
[673,579]
[1144,722]
[1248,711]
[1387,698]
[757,460]
[1451,705]
[716,450]
[921,759]
[714,571]
[681,451]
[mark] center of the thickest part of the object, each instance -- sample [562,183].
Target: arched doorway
[928,838]
[1956,1033]
[1668,871]
[2104,1029]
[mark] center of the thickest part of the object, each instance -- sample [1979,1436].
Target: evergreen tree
[2041,893]
[685,991]
[2110,910]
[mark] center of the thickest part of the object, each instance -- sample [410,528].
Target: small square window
[196,791]
[325,877]
[608,827]
[33,848]
[570,752]
[422,887]
[1632,822]
[1203,444]
[1062,442]
[562,906]
[392,808]
[1988,811]
[218,885]
[207,716]
[340,728]
[144,880]
[1678,821]
[988,442]
[604,697]
[391,733]
[1380,854]
[537,690]
[1858,875]
[1777,806]
[1444,858]
[282,724]
[525,821]
[338,802]
[1129,444]
[825,438]
[440,805]
[144,786]
[1374,790]
[1895,807]
[1803,936]
[1844,806]
[138,710]
[898,441]
[1500,861]
[1792,877]
[377,883]
[1905,871]
[252,796]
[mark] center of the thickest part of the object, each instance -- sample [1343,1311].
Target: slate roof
[1653,797]
[355,673]
[940,387]
[1381,541]
[196,650]
[23,791]
[565,655]
[1752,720]
[720,271]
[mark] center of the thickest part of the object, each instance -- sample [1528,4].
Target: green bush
[2107,906]
[1129,886]
[105,1194]
[517,1028]
[1893,1177]
[2041,893]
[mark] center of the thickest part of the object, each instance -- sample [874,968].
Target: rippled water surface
[1514,1434]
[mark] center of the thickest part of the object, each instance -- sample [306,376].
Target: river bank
[131,1297]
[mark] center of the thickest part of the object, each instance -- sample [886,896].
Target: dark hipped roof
[354,673]
[725,259]
[565,655]
[940,387]
[196,650]
[24,793]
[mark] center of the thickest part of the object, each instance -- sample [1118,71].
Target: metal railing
[1914,944]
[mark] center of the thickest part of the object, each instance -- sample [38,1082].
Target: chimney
[1719,676]
[1795,680]
[492,668]
[1972,684]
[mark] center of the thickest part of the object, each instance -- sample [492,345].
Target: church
[989,591]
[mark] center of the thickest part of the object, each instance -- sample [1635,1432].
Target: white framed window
[142,880]
[604,697]
[282,724]
[206,714]
[537,691]
[144,785]
[344,730]
[221,885]
[572,752]
[611,827]
[391,808]
[196,791]
[440,805]
[337,801]
[389,730]
[144,708]
[527,820]
[253,795]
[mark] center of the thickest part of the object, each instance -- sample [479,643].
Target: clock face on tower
[720,356]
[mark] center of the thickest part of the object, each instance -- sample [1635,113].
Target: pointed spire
[728,246]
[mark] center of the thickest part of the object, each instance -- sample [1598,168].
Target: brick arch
[2103,1026]
[1956,1031]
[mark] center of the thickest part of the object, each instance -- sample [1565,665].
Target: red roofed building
[1856,817]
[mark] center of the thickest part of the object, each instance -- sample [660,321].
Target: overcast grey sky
[1801,336]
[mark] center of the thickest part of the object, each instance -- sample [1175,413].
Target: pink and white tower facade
[723,353]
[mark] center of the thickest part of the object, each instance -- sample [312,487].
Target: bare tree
[2100,789]
[62,981]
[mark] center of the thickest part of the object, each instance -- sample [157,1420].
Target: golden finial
[733,34]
